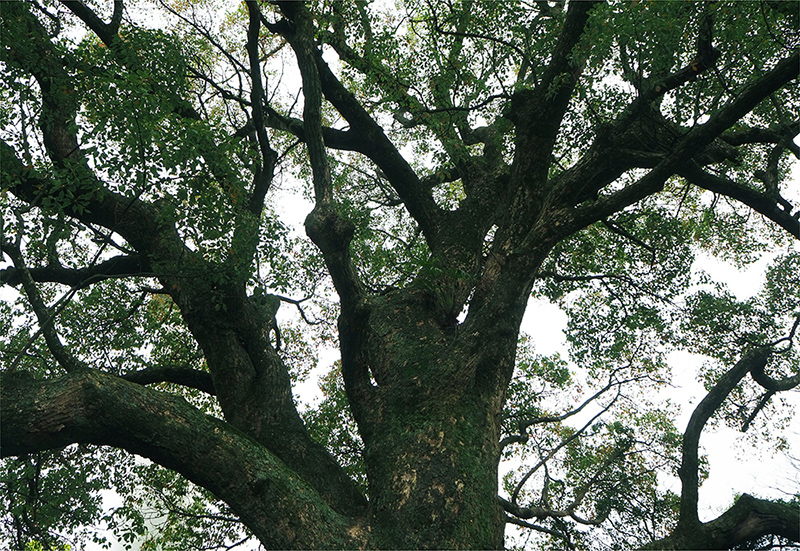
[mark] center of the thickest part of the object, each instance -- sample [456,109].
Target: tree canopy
[455,160]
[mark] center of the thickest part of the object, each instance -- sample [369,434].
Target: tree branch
[753,360]
[107,32]
[375,144]
[262,179]
[529,512]
[756,200]
[548,102]
[99,408]
[563,61]
[345,140]
[694,140]
[705,58]
[78,278]
[137,222]
[542,529]
[178,374]
[612,382]
[45,317]
[335,138]
[564,442]
[748,519]
[771,384]
[756,410]
[331,232]
[256,396]
[774,134]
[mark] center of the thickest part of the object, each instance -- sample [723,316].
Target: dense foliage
[164,311]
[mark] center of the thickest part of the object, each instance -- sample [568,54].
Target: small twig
[574,436]
[627,235]
[542,529]
[45,317]
[297,303]
[761,404]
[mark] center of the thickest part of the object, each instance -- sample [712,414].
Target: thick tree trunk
[433,476]
[430,428]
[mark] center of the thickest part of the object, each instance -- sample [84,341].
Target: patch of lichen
[429,469]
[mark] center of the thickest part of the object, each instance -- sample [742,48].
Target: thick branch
[519,244]
[774,385]
[548,102]
[748,519]
[690,481]
[256,395]
[695,140]
[756,200]
[78,278]
[330,231]
[563,63]
[98,408]
[180,375]
[377,146]
[774,134]
[374,142]
[346,140]
[529,512]
[137,222]
[107,32]
[751,518]
[256,390]
[305,50]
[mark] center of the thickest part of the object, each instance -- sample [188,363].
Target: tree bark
[748,519]
[92,407]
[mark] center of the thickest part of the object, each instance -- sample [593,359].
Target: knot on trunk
[328,229]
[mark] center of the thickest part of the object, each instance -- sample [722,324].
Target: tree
[461,158]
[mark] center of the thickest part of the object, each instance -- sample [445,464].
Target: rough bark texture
[747,520]
[98,408]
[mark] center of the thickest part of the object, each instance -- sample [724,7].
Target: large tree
[461,158]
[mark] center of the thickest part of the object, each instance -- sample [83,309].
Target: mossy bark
[429,422]
[433,476]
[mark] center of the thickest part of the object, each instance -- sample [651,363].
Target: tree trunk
[433,476]
[430,429]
